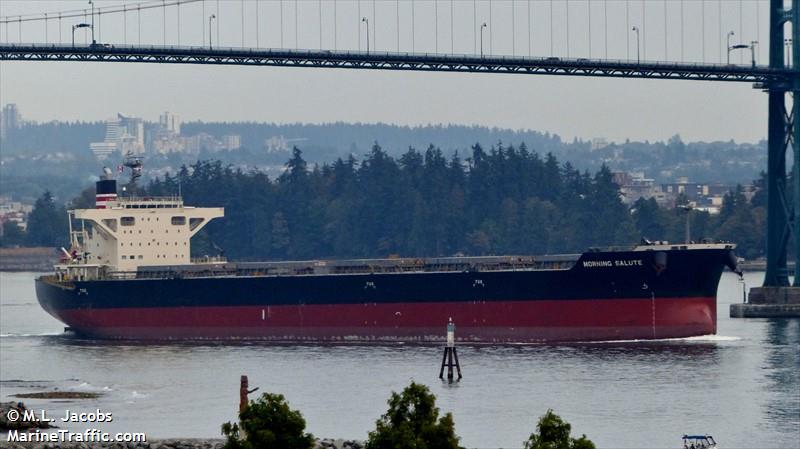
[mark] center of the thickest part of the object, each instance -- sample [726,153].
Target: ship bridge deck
[357,266]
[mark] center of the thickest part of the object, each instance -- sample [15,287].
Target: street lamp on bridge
[365,20]
[210,18]
[753,45]
[730,33]
[483,25]
[91,2]
[636,30]
[75,27]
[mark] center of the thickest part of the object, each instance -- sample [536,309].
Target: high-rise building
[170,122]
[132,136]
[110,143]
[10,118]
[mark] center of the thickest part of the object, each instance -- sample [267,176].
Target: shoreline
[40,259]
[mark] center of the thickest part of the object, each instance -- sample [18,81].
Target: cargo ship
[129,275]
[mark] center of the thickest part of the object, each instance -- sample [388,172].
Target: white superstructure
[123,233]
[131,232]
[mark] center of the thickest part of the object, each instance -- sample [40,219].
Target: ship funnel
[105,189]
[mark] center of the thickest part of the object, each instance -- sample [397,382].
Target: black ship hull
[607,295]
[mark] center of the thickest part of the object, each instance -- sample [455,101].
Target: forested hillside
[505,200]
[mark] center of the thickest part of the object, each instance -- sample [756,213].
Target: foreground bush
[413,422]
[268,423]
[552,432]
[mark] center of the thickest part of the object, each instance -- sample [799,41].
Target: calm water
[742,386]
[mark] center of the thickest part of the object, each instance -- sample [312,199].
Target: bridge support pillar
[793,127]
[781,214]
[776,298]
[778,209]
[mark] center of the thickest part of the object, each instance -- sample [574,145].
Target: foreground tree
[47,224]
[413,422]
[552,432]
[268,423]
[11,234]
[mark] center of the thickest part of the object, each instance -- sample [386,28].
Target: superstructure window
[179,221]
[195,222]
[111,223]
[127,221]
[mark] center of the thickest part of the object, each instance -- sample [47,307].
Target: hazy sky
[570,106]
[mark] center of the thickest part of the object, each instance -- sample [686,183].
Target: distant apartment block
[231,142]
[167,143]
[132,138]
[10,118]
[200,142]
[702,196]
[280,144]
[111,141]
[633,186]
[123,134]
[598,143]
[14,212]
[170,122]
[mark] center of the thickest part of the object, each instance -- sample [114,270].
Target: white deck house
[126,233]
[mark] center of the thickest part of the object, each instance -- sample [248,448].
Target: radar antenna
[135,164]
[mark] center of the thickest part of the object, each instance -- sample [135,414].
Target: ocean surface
[742,385]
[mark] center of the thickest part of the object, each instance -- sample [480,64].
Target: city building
[598,143]
[123,134]
[170,122]
[10,118]
[132,138]
[633,186]
[164,143]
[280,144]
[201,142]
[14,211]
[111,141]
[231,142]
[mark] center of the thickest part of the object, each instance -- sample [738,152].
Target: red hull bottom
[480,321]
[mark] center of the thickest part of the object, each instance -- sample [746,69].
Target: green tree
[268,423]
[11,234]
[280,234]
[651,221]
[552,432]
[47,223]
[413,422]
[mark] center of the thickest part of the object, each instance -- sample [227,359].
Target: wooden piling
[244,391]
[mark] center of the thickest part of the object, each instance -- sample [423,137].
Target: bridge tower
[783,133]
[776,297]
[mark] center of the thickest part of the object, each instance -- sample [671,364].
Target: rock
[20,423]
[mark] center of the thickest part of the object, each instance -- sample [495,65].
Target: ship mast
[134,163]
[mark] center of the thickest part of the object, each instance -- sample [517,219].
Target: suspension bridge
[701,40]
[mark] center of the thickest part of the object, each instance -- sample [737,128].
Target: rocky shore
[23,426]
[183,443]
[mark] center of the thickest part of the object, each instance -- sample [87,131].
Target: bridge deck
[396,61]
